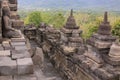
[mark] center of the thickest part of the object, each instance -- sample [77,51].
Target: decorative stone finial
[71,13]
[106,17]
[71,23]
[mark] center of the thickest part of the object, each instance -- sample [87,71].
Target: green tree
[116,29]
[57,20]
[33,18]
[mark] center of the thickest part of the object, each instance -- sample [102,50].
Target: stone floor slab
[25,77]
[25,66]
[20,54]
[7,66]
[6,78]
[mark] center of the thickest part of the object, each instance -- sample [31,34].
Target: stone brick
[20,47]
[13,1]
[5,53]
[7,66]
[13,13]
[18,39]
[13,7]
[25,66]
[6,78]
[25,77]
[1,47]
[5,44]
[17,43]
[19,54]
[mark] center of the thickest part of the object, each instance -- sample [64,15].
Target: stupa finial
[106,17]
[71,13]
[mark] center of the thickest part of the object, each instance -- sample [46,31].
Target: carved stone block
[25,66]
[7,66]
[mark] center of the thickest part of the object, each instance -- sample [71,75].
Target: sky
[68,4]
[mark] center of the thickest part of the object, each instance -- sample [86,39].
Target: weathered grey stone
[6,78]
[20,47]
[25,77]
[94,56]
[22,39]
[19,54]
[68,50]
[18,43]
[1,47]
[5,53]
[25,66]
[13,7]
[13,1]
[38,58]
[115,51]
[7,66]
[5,44]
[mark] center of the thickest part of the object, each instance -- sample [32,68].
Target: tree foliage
[57,20]
[33,18]
[116,29]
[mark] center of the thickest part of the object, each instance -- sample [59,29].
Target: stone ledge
[7,66]
[25,66]
[20,54]
[25,77]
[18,43]
[5,53]
[6,78]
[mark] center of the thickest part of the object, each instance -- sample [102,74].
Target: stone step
[15,67]
[20,54]
[6,78]
[25,77]
[25,66]
[5,53]
[7,66]
[15,58]
[19,77]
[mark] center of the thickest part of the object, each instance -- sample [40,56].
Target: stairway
[15,60]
